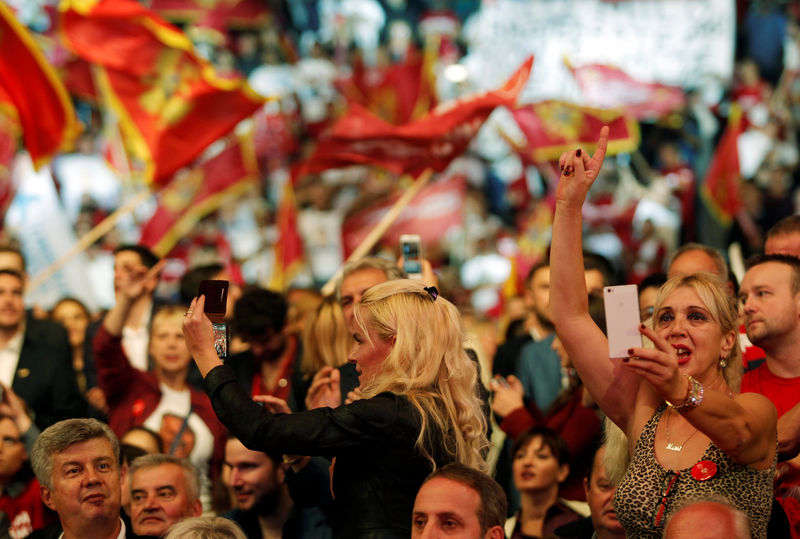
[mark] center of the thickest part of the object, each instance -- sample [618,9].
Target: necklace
[674,446]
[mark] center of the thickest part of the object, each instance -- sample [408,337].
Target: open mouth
[684,354]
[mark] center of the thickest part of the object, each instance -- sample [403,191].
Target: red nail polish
[630,351]
[626,359]
[578,153]
[642,326]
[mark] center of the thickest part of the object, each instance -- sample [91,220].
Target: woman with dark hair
[540,463]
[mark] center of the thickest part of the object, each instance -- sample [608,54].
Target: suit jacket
[44,378]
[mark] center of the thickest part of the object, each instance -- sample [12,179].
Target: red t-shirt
[783,392]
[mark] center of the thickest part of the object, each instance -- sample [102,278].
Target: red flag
[234,13]
[9,135]
[720,189]
[553,127]
[170,103]
[434,210]
[608,87]
[289,247]
[431,142]
[42,104]
[399,93]
[185,201]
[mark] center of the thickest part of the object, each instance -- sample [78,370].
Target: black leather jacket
[377,470]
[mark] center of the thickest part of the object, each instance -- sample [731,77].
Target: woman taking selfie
[690,434]
[418,409]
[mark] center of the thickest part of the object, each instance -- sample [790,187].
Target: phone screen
[411,257]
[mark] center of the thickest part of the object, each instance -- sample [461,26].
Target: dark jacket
[378,469]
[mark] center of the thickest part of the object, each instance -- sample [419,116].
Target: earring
[723,362]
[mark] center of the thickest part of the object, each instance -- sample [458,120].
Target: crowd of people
[404,407]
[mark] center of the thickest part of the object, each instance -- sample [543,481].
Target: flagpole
[386,221]
[90,237]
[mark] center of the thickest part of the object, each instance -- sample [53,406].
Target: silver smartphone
[411,248]
[622,319]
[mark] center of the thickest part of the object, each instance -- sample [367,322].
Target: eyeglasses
[667,485]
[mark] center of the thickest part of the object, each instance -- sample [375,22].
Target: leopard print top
[639,493]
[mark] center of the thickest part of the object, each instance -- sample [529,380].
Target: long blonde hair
[326,339]
[428,365]
[724,309]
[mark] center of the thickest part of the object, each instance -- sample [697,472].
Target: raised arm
[612,388]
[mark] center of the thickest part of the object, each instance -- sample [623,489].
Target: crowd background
[315,57]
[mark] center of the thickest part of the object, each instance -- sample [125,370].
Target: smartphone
[216,294]
[622,319]
[411,248]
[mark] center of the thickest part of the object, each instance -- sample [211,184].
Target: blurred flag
[720,189]
[609,87]
[289,247]
[169,101]
[397,94]
[185,201]
[9,135]
[553,127]
[43,107]
[359,137]
[232,13]
[435,210]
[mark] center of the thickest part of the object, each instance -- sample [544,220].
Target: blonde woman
[326,339]
[690,434]
[418,411]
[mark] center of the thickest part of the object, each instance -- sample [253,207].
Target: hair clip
[431,290]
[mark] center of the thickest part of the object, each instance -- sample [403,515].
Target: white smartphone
[411,248]
[622,319]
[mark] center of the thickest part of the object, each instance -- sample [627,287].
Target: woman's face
[536,468]
[686,323]
[12,450]
[70,315]
[368,353]
[167,346]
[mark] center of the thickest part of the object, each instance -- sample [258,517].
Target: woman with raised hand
[418,410]
[690,434]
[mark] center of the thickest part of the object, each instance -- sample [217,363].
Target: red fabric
[578,425]
[552,127]
[190,198]
[289,249]
[26,512]
[170,102]
[783,392]
[360,138]
[720,189]
[42,103]
[791,506]
[435,210]
[610,87]
[398,93]
[134,395]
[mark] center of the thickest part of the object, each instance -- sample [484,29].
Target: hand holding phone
[216,295]
[622,319]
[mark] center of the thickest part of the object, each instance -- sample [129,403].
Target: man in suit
[35,358]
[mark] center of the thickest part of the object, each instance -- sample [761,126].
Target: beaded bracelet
[694,396]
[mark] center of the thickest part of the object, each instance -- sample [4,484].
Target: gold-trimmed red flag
[185,201]
[42,104]
[606,87]
[361,138]
[552,127]
[169,101]
[720,189]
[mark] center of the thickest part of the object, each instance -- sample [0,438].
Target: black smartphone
[216,294]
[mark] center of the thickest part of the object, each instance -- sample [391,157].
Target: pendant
[674,447]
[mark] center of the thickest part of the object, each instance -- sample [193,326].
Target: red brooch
[704,470]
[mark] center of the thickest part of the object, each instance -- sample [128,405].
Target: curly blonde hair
[428,365]
[326,339]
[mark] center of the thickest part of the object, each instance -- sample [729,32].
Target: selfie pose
[418,409]
[161,399]
[690,434]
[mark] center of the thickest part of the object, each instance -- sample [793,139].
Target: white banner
[685,43]
[38,219]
